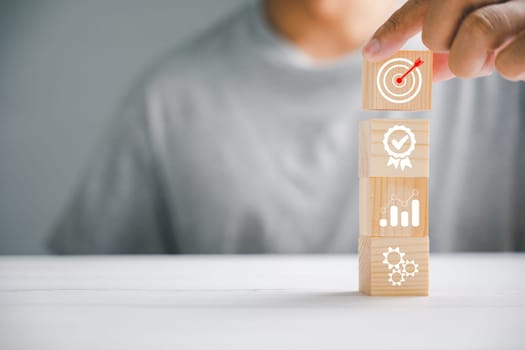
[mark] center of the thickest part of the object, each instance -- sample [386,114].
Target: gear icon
[396,277]
[394,258]
[410,268]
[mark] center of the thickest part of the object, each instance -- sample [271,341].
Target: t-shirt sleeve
[118,206]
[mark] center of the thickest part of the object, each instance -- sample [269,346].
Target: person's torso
[261,156]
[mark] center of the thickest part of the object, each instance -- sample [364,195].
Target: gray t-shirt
[238,143]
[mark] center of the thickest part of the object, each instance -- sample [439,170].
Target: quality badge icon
[399,143]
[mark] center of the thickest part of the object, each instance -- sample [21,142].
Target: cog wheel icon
[396,277]
[394,258]
[410,268]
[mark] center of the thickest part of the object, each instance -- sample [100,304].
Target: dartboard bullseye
[400,82]
[394,86]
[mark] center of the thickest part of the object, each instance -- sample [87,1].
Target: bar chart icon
[402,213]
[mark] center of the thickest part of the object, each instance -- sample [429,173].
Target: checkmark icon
[400,143]
[399,146]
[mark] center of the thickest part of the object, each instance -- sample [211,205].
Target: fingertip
[442,75]
[376,50]
[440,68]
[392,35]
[372,49]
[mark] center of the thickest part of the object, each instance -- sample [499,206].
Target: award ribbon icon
[397,159]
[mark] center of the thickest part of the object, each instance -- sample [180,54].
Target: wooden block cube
[393,266]
[393,206]
[401,82]
[394,148]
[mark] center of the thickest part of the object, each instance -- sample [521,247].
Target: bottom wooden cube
[394,266]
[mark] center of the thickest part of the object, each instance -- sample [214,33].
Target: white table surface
[254,302]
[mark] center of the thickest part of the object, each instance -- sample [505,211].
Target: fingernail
[371,49]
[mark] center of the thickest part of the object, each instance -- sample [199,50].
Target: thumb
[394,33]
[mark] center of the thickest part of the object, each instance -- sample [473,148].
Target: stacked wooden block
[393,187]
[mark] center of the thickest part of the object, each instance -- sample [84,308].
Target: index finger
[394,33]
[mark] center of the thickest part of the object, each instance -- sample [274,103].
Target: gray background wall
[64,65]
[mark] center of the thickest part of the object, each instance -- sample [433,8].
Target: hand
[469,37]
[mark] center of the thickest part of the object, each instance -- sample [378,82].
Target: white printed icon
[398,212]
[399,142]
[395,76]
[399,267]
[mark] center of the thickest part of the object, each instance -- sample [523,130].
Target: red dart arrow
[416,64]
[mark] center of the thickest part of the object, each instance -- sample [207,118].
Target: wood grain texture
[415,91]
[378,194]
[374,274]
[374,158]
[363,249]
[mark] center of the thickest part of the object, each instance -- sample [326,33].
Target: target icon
[399,80]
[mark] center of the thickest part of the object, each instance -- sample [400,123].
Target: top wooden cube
[401,82]
[394,148]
